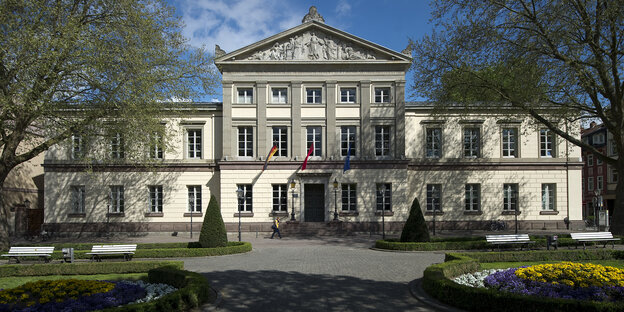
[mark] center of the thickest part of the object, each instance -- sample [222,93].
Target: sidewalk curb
[415,288]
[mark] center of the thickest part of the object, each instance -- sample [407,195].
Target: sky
[233,24]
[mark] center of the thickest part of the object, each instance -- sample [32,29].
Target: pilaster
[399,150]
[366,135]
[261,127]
[227,119]
[332,149]
[295,112]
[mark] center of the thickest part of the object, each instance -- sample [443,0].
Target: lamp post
[292,188]
[383,212]
[597,206]
[433,207]
[335,199]
[240,194]
[191,208]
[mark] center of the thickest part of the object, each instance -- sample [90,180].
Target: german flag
[271,153]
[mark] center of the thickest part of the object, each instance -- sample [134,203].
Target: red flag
[305,162]
[271,152]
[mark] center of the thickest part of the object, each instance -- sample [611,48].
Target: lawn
[11,282]
[505,265]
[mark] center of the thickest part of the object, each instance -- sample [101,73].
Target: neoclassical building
[316,92]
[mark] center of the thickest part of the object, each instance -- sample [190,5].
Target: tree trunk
[5,241]
[617,227]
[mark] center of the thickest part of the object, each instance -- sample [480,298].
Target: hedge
[193,291]
[85,268]
[87,246]
[544,255]
[436,282]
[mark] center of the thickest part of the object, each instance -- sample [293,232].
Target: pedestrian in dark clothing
[275,228]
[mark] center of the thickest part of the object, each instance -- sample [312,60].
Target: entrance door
[314,196]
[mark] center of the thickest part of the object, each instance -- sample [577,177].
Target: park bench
[107,250]
[44,253]
[587,237]
[498,240]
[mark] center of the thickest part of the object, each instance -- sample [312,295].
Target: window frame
[116,201]
[156,150]
[383,192]
[434,192]
[348,197]
[600,135]
[117,148]
[281,98]
[590,159]
[281,201]
[248,141]
[379,98]
[549,197]
[311,95]
[590,183]
[431,151]
[78,199]
[155,198]
[511,194]
[600,183]
[317,133]
[194,198]
[472,193]
[78,148]
[348,139]
[247,95]
[469,151]
[507,147]
[197,150]
[245,205]
[348,95]
[382,140]
[546,138]
[282,140]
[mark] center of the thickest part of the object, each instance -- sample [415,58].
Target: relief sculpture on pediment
[312,46]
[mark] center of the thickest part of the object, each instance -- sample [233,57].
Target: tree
[566,56]
[415,228]
[73,67]
[213,232]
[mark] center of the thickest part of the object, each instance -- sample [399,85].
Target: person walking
[275,228]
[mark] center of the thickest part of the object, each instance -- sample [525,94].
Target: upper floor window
[194,141]
[349,199]
[156,146]
[473,197]
[590,160]
[434,197]
[347,140]
[279,95]
[245,141]
[78,198]
[548,197]
[598,162]
[382,95]
[590,183]
[434,143]
[280,200]
[245,95]
[155,198]
[472,141]
[384,196]
[347,95]
[599,138]
[117,146]
[382,140]
[280,139]
[510,197]
[613,149]
[116,199]
[77,146]
[313,95]
[547,143]
[246,202]
[194,198]
[314,137]
[510,142]
[614,175]
[599,183]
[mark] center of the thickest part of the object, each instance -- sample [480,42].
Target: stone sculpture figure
[313,15]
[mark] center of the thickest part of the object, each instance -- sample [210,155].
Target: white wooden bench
[44,253]
[587,237]
[498,240]
[105,250]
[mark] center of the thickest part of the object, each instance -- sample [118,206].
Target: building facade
[315,92]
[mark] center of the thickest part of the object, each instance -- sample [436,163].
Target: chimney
[592,124]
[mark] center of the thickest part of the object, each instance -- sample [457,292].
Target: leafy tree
[565,56]
[213,232]
[72,67]
[415,228]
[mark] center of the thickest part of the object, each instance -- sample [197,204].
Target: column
[366,136]
[262,147]
[295,112]
[333,149]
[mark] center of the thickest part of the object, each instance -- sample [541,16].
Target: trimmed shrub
[213,232]
[415,228]
[412,246]
[542,255]
[86,268]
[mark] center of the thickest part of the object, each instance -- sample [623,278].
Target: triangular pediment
[312,42]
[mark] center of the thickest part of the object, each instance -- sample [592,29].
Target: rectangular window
[245,203]
[117,146]
[347,140]
[510,197]
[349,199]
[280,198]
[116,199]
[280,139]
[510,142]
[314,137]
[434,197]
[245,141]
[194,139]
[78,198]
[473,197]
[590,184]
[382,95]
[472,140]
[547,143]
[590,160]
[548,197]
[313,95]
[382,140]
[599,183]
[599,138]
[77,147]
[434,143]
[384,196]
[245,95]
[598,161]
[194,198]
[156,146]
[280,95]
[614,175]
[347,95]
[155,198]
[613,148]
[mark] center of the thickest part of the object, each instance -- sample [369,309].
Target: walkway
[315,274]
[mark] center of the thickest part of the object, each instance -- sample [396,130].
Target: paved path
[315,274]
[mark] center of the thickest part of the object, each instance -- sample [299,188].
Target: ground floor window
[78,198]
[194,198]
[280,199]
[434,196]
[548,197]
[349,197]
[473,197]
[245,203]
[510,197]
[155,198]
[384,196]
[116,199]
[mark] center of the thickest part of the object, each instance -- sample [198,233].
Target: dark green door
[314,196]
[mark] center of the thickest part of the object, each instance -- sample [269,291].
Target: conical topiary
[213,232]
[415,228]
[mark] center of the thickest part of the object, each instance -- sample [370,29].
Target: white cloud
[343,8]
[235,24]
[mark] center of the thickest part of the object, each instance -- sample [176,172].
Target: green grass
[12,282]
[505,265]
